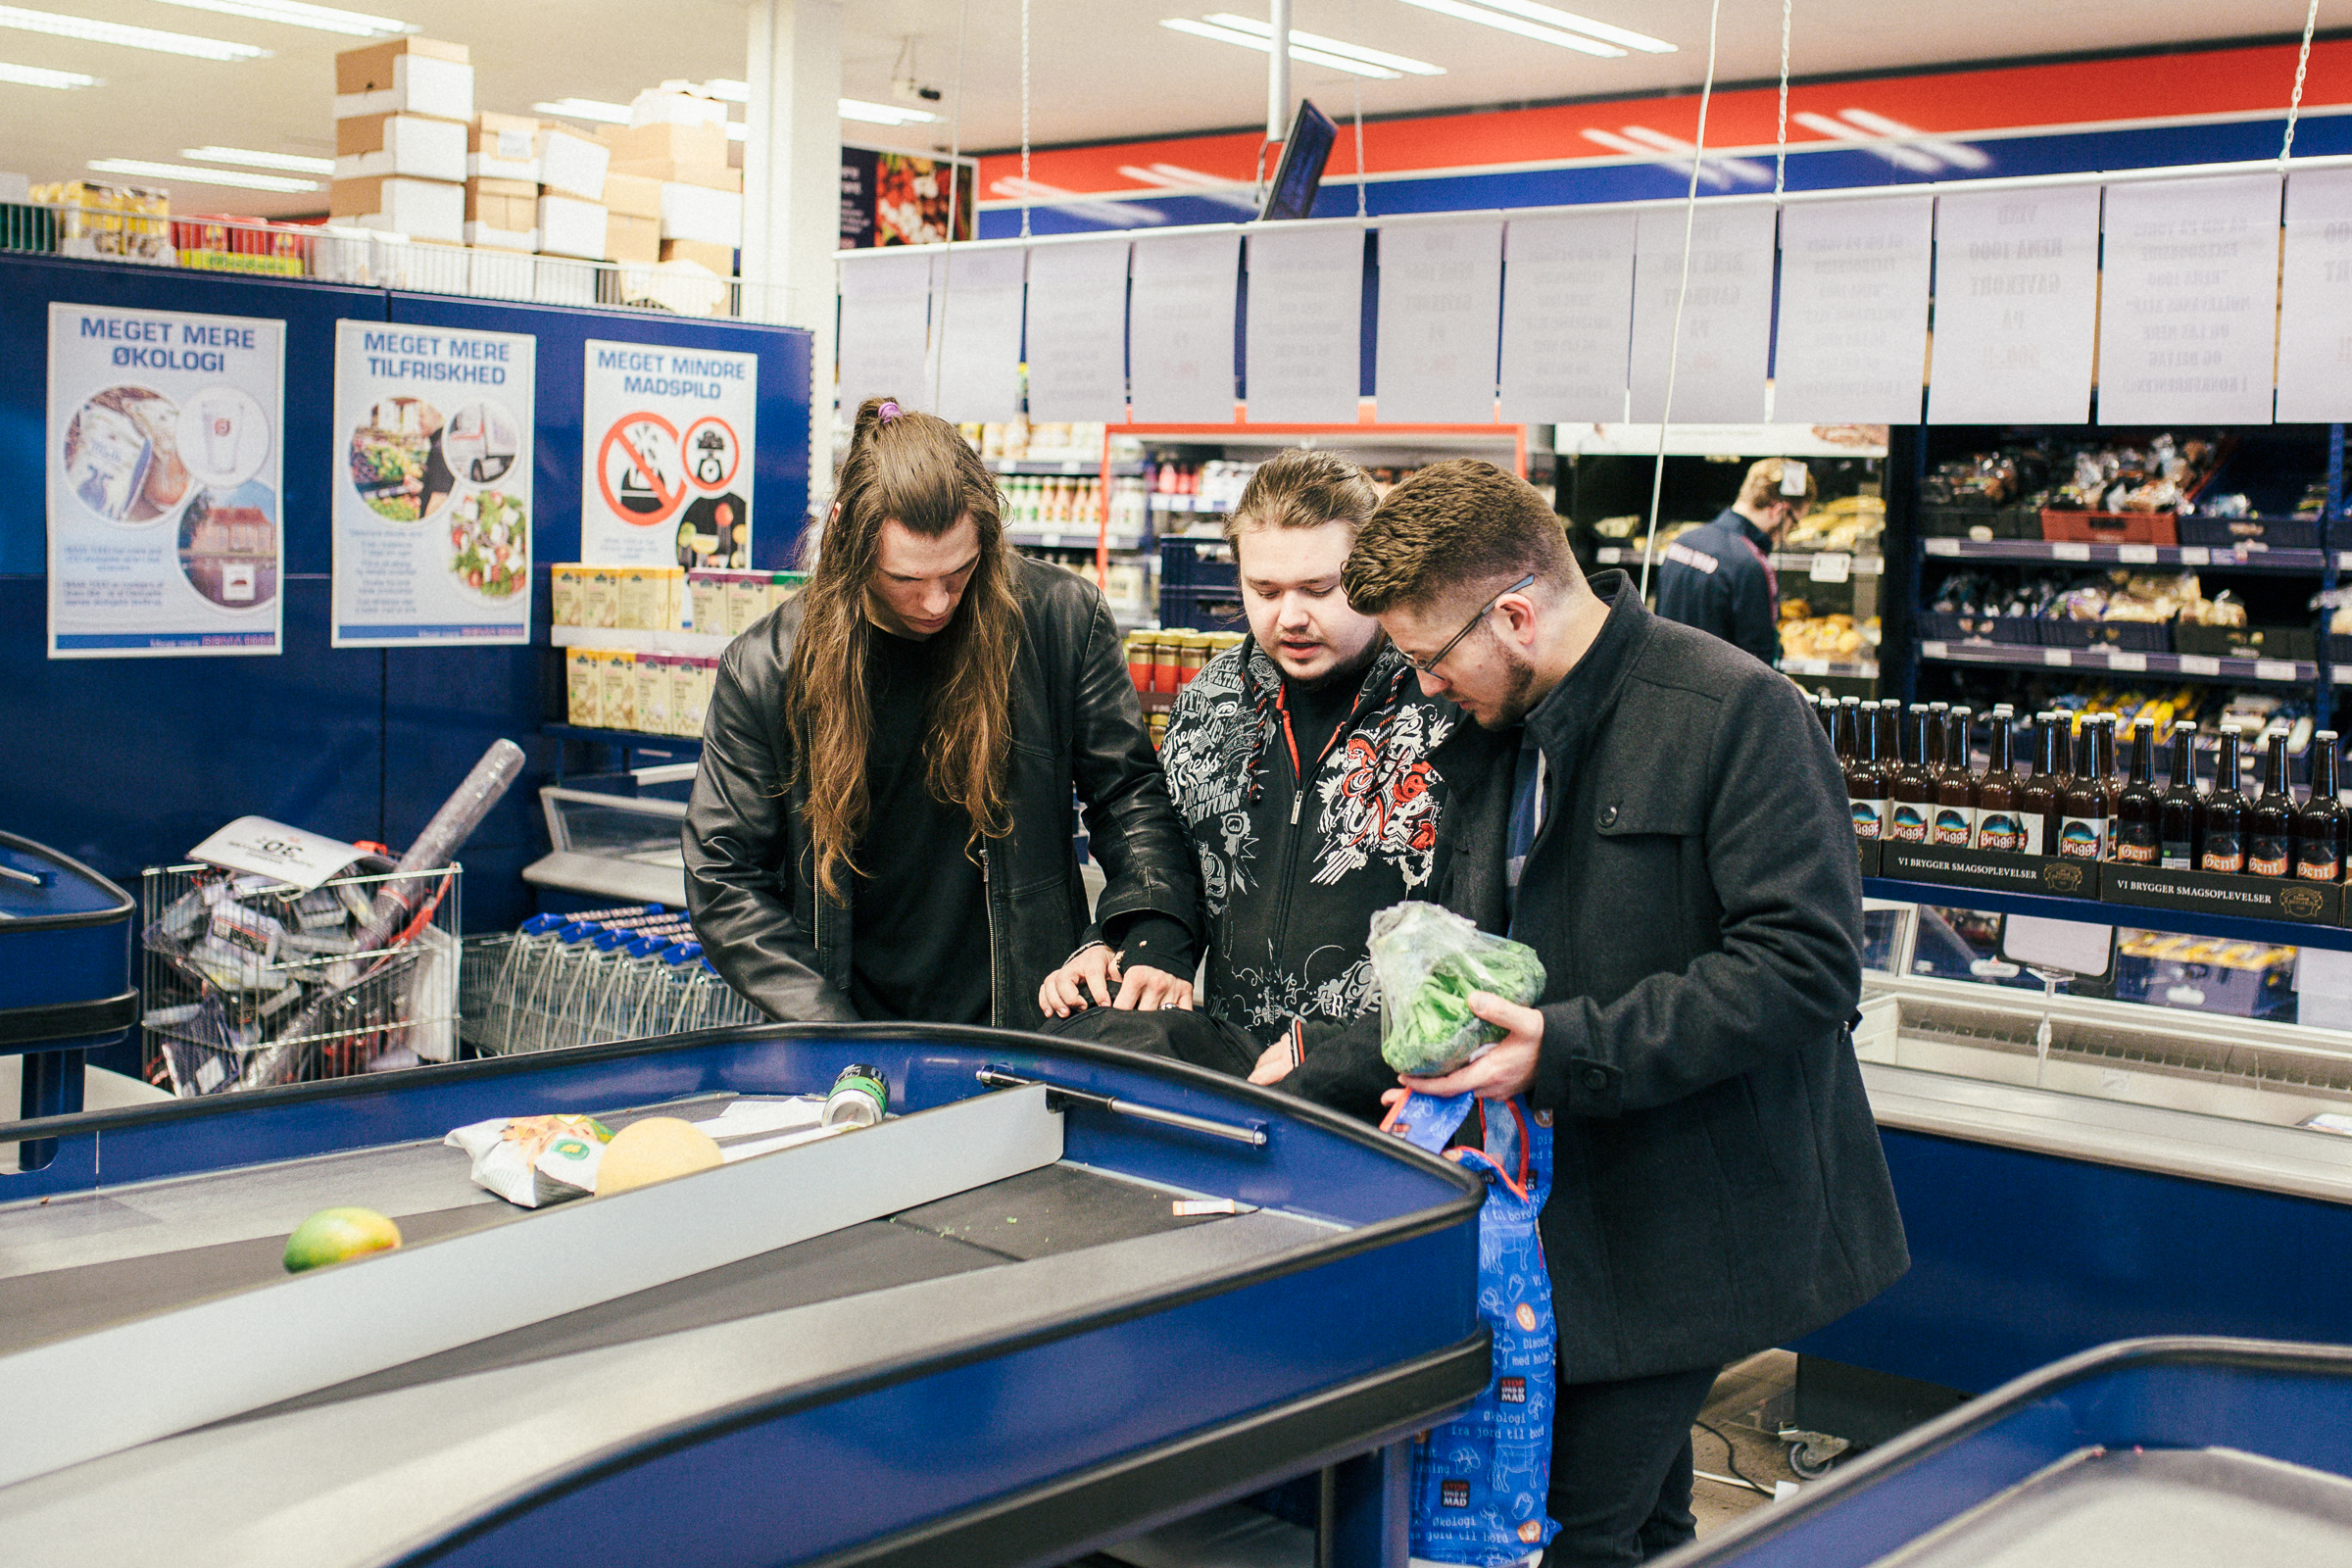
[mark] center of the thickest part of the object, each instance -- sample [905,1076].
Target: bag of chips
[532,1161]
[1427,960]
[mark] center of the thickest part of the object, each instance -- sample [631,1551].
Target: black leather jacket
[751,871]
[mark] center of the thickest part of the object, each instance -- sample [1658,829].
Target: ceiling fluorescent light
[1525,30]
[1708,175]
[1917,162]
[860,110]
[1176,178]
[1583,24]
[183,174]
[92,32]
[1959,154]
[321,19]
[290,162]
[38,76]
[1742,167]
[1329,46]
[586,109]
[1110,214]
[1265,46]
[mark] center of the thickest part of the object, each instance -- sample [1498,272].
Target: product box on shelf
[703,144]
[226,243]
[690,681]
[563,594]
[632,196]
[600,596]
[699,213]
[749,596]
[422,208]
[2123,636]
[2256,898]
[1983,522]
[2159,528]
[2244,642]
[706,600]
[649,597]
[670,172]
[668,105]
[584,687]
[2060,875]
[504,147]
[653,709]
[405,75]
[717,260]
[1952,627]
[633,240]
[2251,533]
[110,222]
[573,166]
[569,226]
[619,692]
[503,204]
[371,146]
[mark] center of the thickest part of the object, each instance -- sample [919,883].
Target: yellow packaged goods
[600,596]
[706,600]
[620,668]
[654,692]
[681,695]
[563,594]
[117,222]
[746,600]
[646,598]
[584,687]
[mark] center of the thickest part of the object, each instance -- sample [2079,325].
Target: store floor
[1743,1413]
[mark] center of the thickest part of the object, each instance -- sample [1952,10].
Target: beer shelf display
[2304,562]
[2185,922]
[2188,666]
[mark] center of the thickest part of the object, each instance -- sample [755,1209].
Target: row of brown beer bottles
[1908,780]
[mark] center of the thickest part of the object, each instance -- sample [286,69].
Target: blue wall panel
[126,763]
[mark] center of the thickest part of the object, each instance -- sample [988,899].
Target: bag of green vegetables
[1427,960]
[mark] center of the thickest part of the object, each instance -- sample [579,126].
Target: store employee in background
[1673,841]
[881,825]
[1719,576]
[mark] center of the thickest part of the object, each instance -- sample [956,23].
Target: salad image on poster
[122,455]
[489,540]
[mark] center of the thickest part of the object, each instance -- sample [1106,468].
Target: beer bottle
[2221,815]
[1911,797]
[2038,799]
[1865,781]
[1888,744]
[2082,824]
[2135,835]
[1824,706]
[2109,779]
[1842,735]
[1936,714]
[2176,807]
[1955,786]
[2270,820]
[1998,824]
[2322,828]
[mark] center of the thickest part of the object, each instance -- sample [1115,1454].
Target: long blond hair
[918,470]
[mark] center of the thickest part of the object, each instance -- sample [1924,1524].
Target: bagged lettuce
[1427,960]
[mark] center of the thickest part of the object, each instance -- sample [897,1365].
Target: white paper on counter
[1854,339]
[289,855]
[1180,329]
[2315,300]
[885,328]
[2017,306]
[1302,355]
[976,334]
[1727,326]
[1078,331]
[2190,300]
[1567,318]
[1441,299]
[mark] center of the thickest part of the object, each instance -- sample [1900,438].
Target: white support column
[792,191]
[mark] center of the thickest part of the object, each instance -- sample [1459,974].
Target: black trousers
[1186,1036]
[1620,1468]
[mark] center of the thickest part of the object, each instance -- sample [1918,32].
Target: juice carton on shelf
[654,692]
[784,585]
[584,687]
[600,596]
[619,670]
[564,592]
[706,600]
[692,695]
[746,600]
[634,610]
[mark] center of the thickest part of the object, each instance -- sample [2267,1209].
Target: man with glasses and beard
[881,827]
[1669,834]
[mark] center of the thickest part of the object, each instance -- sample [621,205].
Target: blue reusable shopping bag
[1479,1479]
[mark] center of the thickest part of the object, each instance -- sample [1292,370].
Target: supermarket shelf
[2190,667]
[1074,537]
[1856,566]
[2189,923]
[692,644]
[1088,464]
[1160,503]
[2227,559]
[1718,440]
[1841,668]
[683,745]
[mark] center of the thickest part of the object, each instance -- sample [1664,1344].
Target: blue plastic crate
[1196,588]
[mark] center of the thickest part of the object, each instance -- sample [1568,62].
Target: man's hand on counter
[1506,1070]
[1094,977]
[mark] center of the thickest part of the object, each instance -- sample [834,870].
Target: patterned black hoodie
[1293,871]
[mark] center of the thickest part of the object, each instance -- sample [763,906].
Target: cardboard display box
[405,75]
[1991,870]
[371,146]
[632,238]
[569,226]
[703,144]
[716,259]
[665,105]
[501,203]
[632,196]
[422,208]
[675,172]
[573,166]
[504,147]
[2254,897]
[696,212]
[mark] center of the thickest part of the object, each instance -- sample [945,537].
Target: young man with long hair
[881,825]
[1309,773]
[1671,836]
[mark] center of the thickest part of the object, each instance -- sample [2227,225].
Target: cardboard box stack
[401,112]
[572,194]
[502,183]
[677,141]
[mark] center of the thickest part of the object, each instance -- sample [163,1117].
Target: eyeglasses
[1429,665]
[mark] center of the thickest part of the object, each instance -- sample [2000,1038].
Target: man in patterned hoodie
[1301,766]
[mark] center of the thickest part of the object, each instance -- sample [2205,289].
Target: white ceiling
[1098,70]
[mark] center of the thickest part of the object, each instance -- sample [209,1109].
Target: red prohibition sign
[721,441]
[631,436]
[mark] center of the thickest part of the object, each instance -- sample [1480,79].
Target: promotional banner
[1180,329]
[1302,355]
[978,335]
[2017,306]
[1725,336]
[667,477]
[1077,331]
[1440,296]
[1854,337]
[2314,307]
[2189,301]
[432,489]
[1567,317]
[165,482]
